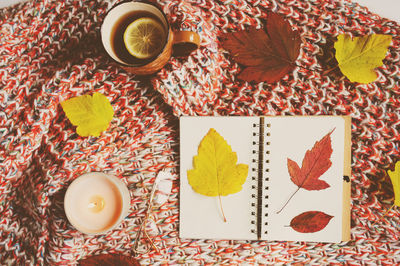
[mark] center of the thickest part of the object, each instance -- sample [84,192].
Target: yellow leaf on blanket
[91,114]
[359,56]
[395,178]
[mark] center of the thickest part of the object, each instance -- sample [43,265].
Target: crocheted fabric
[51,51]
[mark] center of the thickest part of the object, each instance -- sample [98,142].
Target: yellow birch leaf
[91,114]
[215,170]
[395,178]
[358,57]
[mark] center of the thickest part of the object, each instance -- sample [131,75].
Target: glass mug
[124,13]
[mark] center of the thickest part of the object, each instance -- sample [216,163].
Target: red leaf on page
[310,222]
[315,163]
[268,54]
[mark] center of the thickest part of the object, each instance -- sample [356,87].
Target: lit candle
[96,203]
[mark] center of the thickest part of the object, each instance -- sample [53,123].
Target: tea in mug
[138,37]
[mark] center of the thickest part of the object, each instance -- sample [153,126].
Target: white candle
[96,203]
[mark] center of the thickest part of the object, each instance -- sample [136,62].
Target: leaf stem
[383,215]
[330,70]
[288,200]
[222,210]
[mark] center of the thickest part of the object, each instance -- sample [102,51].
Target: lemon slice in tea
[144,38]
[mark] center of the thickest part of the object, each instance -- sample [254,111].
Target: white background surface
[385,8]
[4,3]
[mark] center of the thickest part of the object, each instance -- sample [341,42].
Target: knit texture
[51,51]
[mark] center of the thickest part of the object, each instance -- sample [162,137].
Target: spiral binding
[266,175]
[260,177]
[256,177]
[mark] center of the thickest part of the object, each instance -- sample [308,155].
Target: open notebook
[297,186]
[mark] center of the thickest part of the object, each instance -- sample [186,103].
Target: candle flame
[96,203]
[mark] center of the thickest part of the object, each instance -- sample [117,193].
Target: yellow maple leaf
[395,178]
[359,56]
[215,170]
[91,114]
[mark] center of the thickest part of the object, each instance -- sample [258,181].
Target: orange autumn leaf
[315,163]
[310,222]
[109,259]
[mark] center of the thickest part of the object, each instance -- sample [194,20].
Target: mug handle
[185,42]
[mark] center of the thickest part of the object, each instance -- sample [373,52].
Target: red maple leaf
[267,54]
[310,222]
[315,163]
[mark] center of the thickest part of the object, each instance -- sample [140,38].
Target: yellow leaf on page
[91,114]
[359,56]
[216,172]
[395,178]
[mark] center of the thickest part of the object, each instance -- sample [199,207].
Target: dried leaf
[310,222]
[358,57]
[267,55]
[91,114]
[109,259]
[395,178]
[327,60]
[215,170]
[315,163]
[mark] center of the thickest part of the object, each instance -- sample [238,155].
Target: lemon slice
[144,37]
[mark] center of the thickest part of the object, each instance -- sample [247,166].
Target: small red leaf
[267,54]
[310,222]
[315,163]
[109,259]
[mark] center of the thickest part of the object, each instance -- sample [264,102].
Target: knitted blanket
[51,51]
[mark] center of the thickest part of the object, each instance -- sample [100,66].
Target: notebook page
[291,137]
[200,216]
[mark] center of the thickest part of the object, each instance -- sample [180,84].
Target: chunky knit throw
[51,51]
